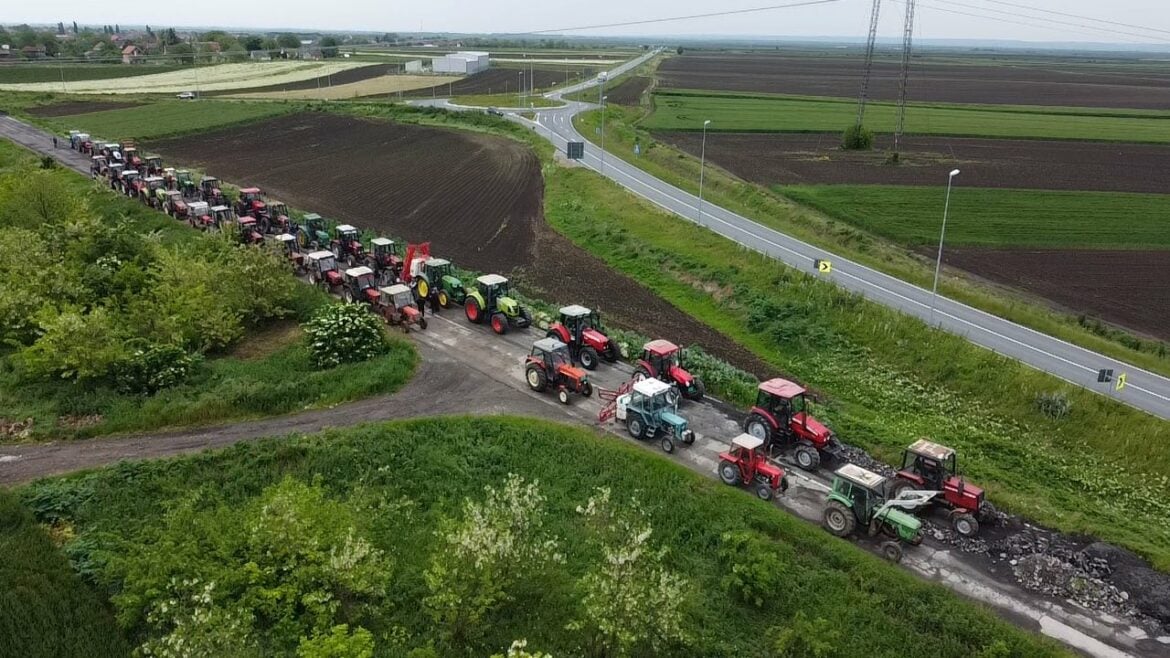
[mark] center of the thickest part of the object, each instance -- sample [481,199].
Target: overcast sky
[842,18]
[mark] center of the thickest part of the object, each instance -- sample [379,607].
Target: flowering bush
[344,333]
[148,370]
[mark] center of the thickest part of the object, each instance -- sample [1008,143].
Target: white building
[461,63]
[414,66]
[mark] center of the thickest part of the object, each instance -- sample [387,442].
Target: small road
[1144,390]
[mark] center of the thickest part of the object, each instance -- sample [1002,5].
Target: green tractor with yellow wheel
[861,502]
[434,280]
[491,301]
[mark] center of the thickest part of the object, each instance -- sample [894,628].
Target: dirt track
[1057,83]
[778,159]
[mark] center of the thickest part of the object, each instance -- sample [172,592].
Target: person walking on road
[54,141]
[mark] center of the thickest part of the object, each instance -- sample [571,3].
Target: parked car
[186,96]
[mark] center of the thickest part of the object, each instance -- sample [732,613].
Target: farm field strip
[53,73]
[385,84]
[786,115]
[209,78]
[168,117]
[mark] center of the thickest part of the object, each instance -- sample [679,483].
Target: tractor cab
[386,255]
[928,465]
[580,329]
[154,164]
[781,418]
[155,191]
[277,219]
[311,231]
[209,190]
[491,300]
[199,215]
[650,410]
[249,230]
[322,266]
[251,202]
[84,143]
[745,463]
[347,244]
[399,296]
[291,250]
[112,150]
[98,166]
[397,305]
[550,364]
[493,288]
[185,183]
[152,183]
[552,353]
[360,286]
[115,172]
[174,205]
[222,215]
[663,360]
[130,156]
[858,501]
[131,181]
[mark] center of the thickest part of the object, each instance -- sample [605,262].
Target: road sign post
[575,150]
[823,266]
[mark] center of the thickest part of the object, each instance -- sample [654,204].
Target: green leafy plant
[344,333]
[857,138]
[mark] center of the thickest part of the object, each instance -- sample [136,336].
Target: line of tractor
[399,282]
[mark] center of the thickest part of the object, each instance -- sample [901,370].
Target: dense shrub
[754,570]
[149,369]
[857,138]
[344,333]
[1055,405]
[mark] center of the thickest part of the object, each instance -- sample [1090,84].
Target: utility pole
[702,169]
[904,76]
[941,236]
[867,69]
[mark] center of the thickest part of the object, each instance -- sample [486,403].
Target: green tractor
[312,232]
[491,300]
[858,501]
[436,277]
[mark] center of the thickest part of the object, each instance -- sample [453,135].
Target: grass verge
[403,479]
[506,101]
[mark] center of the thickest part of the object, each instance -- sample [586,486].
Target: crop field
[381,85]
[1043,81]
[67,108]
[168,117]
[730,113]
[142,528]
[208,78]
[328,79]
[499,80]
[817,158]
[630,91]
[52,73]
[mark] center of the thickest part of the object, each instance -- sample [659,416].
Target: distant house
[131,54]
[415,66]
[5,52]
[33,52]
[260,55]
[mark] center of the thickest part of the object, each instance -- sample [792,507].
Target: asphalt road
[1144,390]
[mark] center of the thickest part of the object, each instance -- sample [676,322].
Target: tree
[338,643]
[37,198]
[253,42]
[632,605]
[236,53]
[117,29]
[329,47]
[519,649]
[151,33]
[183,52]
[482,556]
[679,50]
[857,138]
[74,345]
[74,27]
[287,40]
[805,637]
[60,27]
[344,333]
[169,37]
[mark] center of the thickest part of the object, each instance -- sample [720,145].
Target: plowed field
[77,107]
[497,80]
[1053,83]
[1123,287]
[630,91]
[792,159]
[477,198]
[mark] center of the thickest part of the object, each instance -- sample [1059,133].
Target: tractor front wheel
[347,296]
[838,519]
[667,444]
[635,427]
[965,524]
[563,395]
[588,358]
[587,389]
[499,323]
[757,427]
[422,324]
[698,391]
[474,313]
[444,300]
[729,473]
[641,373]
[892,551]
[807,457]
[536,379]
[764,491]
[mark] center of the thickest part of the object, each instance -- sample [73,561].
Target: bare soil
[477,198]
[1129,288]
[70,108]
[630,91]
[340,78]
[1054,83]
[793,159]
[498,80]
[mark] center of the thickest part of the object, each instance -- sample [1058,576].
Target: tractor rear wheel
[635,427]
[965,524]
[563,395]
[588,358]
[536,379]
[347,296]
[764,491]
[757,427]
[667,444]
[499,323]
[729,473]
[838,519]
[312,278]
[899,486]
[471,308]
[892,551]
[807,457]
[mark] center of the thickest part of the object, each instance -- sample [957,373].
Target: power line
[1048,20]
[1084,29]
[1068,15]
[732,12]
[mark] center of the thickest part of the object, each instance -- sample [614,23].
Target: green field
[983,217]
[75,72]
[141,529]
[167,118]
[731,113]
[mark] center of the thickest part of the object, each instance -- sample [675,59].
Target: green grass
[405,477]
[167,118]
[779,114]
[775,211]
[984,217]
[504,101]
[1102,470]
[46,611]
[75,72]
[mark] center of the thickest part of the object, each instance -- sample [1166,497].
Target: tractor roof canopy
[345,228]
[355,272]
[661,347]
[250,190]
[651,387]
[285,237]
[548,345]
[437,262]
[320,255]
[396,289]
[382,242]
[781,388]
[575,311]
[311,216]
[198,206]
[747,442]
[492,280]
[174,193]
[154,179]
[219,208]
[247,220]
[859,475]
[931,449]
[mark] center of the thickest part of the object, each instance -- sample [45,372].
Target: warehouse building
[461,63]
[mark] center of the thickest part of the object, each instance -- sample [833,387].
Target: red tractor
[292,252]
[252,203]
[347,245]
[549,365]
[211,192]
[781,419]
[323,272]
[360,286]
[746,463]
[277,220]
[130,155]
[580,329]
[249,231]
[175,205]
[396,304]
[385,258]
[663,359]
[199,215]
[933,467]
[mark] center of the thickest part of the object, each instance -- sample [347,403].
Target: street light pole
[603,99]
[942,236]
[702,168]
[520,89]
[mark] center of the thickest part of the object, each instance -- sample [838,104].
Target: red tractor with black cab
[781,419]
[360,286]
[251,202]
[929,466]
[580,329]
[549,366]
[199,215]
[277,219]
[323,272]
[347,245]
[662,359]
[211,192]
[248,231]
[175,205]
[746,464]
[397,305]
[385,258]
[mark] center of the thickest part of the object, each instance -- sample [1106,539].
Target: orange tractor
[550,366]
